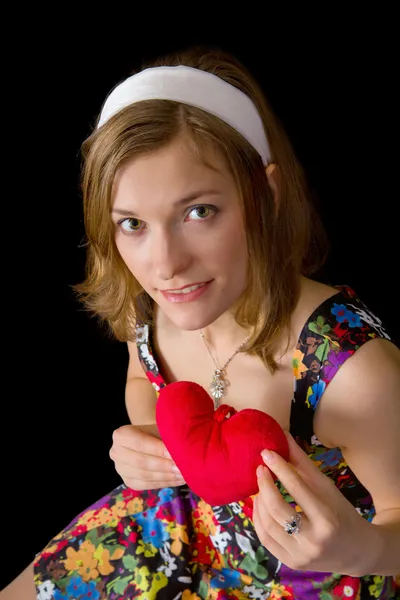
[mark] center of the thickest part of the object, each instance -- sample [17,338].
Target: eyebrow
[182,201]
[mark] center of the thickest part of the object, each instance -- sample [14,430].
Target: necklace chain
[219,383]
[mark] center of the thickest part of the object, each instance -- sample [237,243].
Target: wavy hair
[282,244]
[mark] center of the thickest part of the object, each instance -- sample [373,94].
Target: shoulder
[351,355]
[360,414]
[313,294]
[364,395]
[374,367]
[339,309]
[334,323]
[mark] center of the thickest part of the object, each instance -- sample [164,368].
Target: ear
[274,181]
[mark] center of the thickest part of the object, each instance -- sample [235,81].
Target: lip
[190,296]
[185,286]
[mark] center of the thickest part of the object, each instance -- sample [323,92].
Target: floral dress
[170,544]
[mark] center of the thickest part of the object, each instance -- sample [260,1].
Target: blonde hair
[282,244]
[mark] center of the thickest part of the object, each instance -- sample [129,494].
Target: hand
[332,536]
[142,460]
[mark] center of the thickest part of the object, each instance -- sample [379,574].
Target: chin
[193,320]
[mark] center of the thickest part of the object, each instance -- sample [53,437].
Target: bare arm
[140,396]
[22,587]
[141,460]
[360,413]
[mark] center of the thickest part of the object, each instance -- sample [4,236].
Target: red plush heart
[218,451]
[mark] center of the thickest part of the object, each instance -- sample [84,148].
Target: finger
[126,471]
[273,510]
[131,437]
[144,466]
[264,534]
[272,506]
[292,482]
[138,460]
[270,500]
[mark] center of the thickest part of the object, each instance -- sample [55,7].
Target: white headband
[196,88]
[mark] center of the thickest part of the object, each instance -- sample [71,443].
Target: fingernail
[167,454]
[179,477]
[268,456]
[260,471]
[175,468]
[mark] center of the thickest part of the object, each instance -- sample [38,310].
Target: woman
[201,248]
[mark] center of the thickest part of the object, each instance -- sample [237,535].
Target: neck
[225,334]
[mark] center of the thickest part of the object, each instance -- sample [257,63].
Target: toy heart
[218,451]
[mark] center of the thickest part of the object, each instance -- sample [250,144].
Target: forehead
[173,169]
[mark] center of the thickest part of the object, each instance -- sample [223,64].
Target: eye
[201,212]
[130,225]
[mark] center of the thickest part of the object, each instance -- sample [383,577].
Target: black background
[331,80]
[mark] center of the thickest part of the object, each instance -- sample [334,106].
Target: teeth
[188,289]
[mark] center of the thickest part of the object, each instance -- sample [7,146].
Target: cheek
[130,254]
[123,248]
[231,247]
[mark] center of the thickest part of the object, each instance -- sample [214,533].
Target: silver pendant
[217,387]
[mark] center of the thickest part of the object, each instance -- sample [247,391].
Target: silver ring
[293,525]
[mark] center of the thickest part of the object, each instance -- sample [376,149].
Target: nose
[169,255]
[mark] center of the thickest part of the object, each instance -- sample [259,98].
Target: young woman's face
[180,231]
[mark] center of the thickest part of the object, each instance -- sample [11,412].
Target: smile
[186,290]
[188,293]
